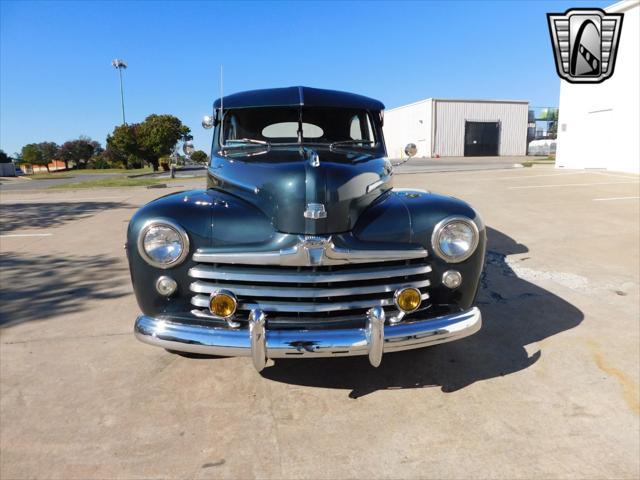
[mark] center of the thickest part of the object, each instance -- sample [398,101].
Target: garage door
[481,139]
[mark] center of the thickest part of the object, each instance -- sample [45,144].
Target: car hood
[286,182]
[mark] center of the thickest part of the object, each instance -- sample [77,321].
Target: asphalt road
[547,389]
[414,165]
[8,184]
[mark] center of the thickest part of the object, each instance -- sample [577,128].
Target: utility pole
[119,65]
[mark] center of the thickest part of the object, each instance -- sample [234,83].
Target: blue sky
[56,80]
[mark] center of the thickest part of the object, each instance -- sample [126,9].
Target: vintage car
[300,247]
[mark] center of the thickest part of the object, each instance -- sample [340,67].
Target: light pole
[120,64]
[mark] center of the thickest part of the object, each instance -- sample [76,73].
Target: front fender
[210,218]
[405,215]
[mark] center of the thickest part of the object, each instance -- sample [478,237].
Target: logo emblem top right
[585,43]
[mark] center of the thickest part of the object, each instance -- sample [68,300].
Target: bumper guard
[260,343]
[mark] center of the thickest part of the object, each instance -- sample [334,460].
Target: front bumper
[260,343]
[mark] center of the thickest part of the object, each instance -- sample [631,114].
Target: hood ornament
[314,159]
[315,211]
[312,156]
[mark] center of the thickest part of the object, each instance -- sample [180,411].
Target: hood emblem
[315,211]
[316,248]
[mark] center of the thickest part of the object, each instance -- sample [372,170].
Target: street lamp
[120,64]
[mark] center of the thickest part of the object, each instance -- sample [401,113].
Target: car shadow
[17,216]
[516,313]
[38,287]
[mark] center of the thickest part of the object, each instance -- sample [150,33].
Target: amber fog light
[408,299]
[451,279]
[223,304]
[166,286]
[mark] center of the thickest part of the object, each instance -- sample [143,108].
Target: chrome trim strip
[306,292]
[307,252]
[378,183]
[302,307]
[212,340]
[292,276]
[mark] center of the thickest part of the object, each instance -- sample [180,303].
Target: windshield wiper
[350,142]
[243,142]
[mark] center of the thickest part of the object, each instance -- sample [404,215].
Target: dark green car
[300,246]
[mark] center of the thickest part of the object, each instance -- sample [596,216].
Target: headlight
[455,239]
[163,244]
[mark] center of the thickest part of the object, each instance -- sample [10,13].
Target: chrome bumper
[260,343]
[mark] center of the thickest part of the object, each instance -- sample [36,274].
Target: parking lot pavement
[547,389]
[447,164]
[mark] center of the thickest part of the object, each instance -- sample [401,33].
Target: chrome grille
[310,296]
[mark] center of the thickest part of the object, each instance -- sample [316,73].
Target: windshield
[287,125]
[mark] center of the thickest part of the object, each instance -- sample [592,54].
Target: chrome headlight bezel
[163,222]
[439,228]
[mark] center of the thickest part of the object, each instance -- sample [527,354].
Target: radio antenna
[221,90]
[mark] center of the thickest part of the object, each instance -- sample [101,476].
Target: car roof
[298,96]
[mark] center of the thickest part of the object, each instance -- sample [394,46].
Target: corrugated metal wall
[451,115]
[408,124]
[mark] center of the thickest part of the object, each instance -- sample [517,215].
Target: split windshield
[294,126]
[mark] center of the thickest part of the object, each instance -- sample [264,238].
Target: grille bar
[280,275]
[305,292]
[303,307]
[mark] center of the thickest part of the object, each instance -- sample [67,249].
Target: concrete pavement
[547,389]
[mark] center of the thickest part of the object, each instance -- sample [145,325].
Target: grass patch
[132,171]
[539,161]
[49,176]
[111,182]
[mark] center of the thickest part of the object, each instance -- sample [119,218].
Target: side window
[232,129]
[361,128]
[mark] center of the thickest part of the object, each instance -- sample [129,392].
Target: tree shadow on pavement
[515,313]
[16,216]
[37,287]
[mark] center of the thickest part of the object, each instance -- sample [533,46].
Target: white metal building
[456,128]
[599,124]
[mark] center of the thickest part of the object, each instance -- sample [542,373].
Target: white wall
[437,126]
[451,115]
[408,124]
[599,124]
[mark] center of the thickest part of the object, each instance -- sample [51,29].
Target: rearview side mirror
[410,150]
[207,122]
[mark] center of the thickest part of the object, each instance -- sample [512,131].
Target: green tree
[158,134]
[199,157]
[33,155]
[122,146]
[4,158]
[136,143]
[49,152]
[79,151]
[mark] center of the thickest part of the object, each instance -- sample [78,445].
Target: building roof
[298,96]
[457,100]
